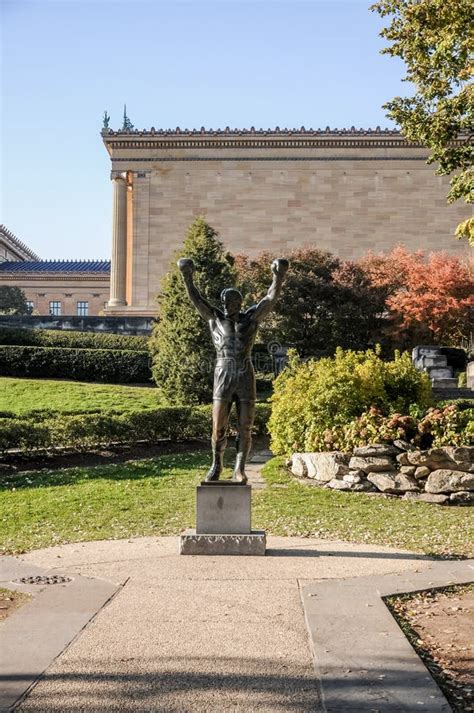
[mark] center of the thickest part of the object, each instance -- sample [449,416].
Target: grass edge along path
[156,496]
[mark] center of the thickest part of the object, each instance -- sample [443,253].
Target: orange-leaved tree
[427,299]
[437,298]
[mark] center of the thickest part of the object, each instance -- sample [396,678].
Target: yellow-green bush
[315,396]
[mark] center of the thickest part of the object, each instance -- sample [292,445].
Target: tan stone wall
[42,291]
[347,192]
[346,207]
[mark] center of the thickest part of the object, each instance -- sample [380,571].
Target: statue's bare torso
[234,338]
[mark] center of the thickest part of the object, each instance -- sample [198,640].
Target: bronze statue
[233,333]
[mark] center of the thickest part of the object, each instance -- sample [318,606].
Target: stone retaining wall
[438,475]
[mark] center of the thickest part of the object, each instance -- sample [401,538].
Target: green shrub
[313,397]
[105,365]
[72,340]
[182,348]
[23,435]
[448,426]
[84,431]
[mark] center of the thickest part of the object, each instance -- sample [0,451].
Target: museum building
[346,191]
[54,287]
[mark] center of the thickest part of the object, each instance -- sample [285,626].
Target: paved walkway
[199,633]
[182,634]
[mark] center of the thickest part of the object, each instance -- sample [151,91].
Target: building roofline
[252,131]
[18,243]
[56,268]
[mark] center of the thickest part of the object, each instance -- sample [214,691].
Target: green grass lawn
[156,497]
[24,395]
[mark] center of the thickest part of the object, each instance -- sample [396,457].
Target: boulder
[376,449]
[403,445]
[298,465]
[448,481]
[354,476]
[462,455]
[462,497]
[427,498]
[436,459]
[422,471]
[365,486]
[371,464]
[408,469]
[339,485]
[402,459]
[393,482]
[326,466]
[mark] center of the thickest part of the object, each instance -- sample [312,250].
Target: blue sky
[175,63]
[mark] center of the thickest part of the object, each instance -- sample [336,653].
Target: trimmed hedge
[104,365]
[86,431]
[72,340]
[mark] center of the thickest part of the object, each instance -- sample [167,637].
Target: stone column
[118,266]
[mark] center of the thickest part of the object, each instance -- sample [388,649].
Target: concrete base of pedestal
[223,508]
[223,522]
[253,544]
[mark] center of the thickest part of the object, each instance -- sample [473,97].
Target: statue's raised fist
[280,266]
[186,265]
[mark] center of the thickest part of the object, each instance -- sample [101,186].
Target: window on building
[82,309]
[55,308]
[30,305]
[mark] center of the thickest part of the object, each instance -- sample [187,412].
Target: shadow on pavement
[174,690]
[314,552]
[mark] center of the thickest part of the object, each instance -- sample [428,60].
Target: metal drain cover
[44,579]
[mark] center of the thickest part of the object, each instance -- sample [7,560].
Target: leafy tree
[325,303]
[424,299]
[181,345]
[13,300]
[436,301]
[434,39]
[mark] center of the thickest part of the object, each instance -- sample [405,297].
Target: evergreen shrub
[312,397]
[104,365]
[73,340]
[181,345]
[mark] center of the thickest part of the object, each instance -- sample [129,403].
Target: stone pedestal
[223,522]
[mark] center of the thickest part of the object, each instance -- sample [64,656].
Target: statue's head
[231,301]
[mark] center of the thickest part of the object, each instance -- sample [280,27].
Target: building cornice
[17,244]
[54,276]
[167,139]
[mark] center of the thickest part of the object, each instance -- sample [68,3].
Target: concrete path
[362,659]
[199,633]
[33,637]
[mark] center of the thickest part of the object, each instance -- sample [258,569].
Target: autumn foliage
[398,300]
[428,299]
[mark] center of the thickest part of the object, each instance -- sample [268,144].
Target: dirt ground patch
[10,601]
[440,626]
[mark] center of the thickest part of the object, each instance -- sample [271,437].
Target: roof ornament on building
[127,124]
[106,119]
[11,238]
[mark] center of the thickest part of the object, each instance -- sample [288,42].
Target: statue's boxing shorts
[234,380]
